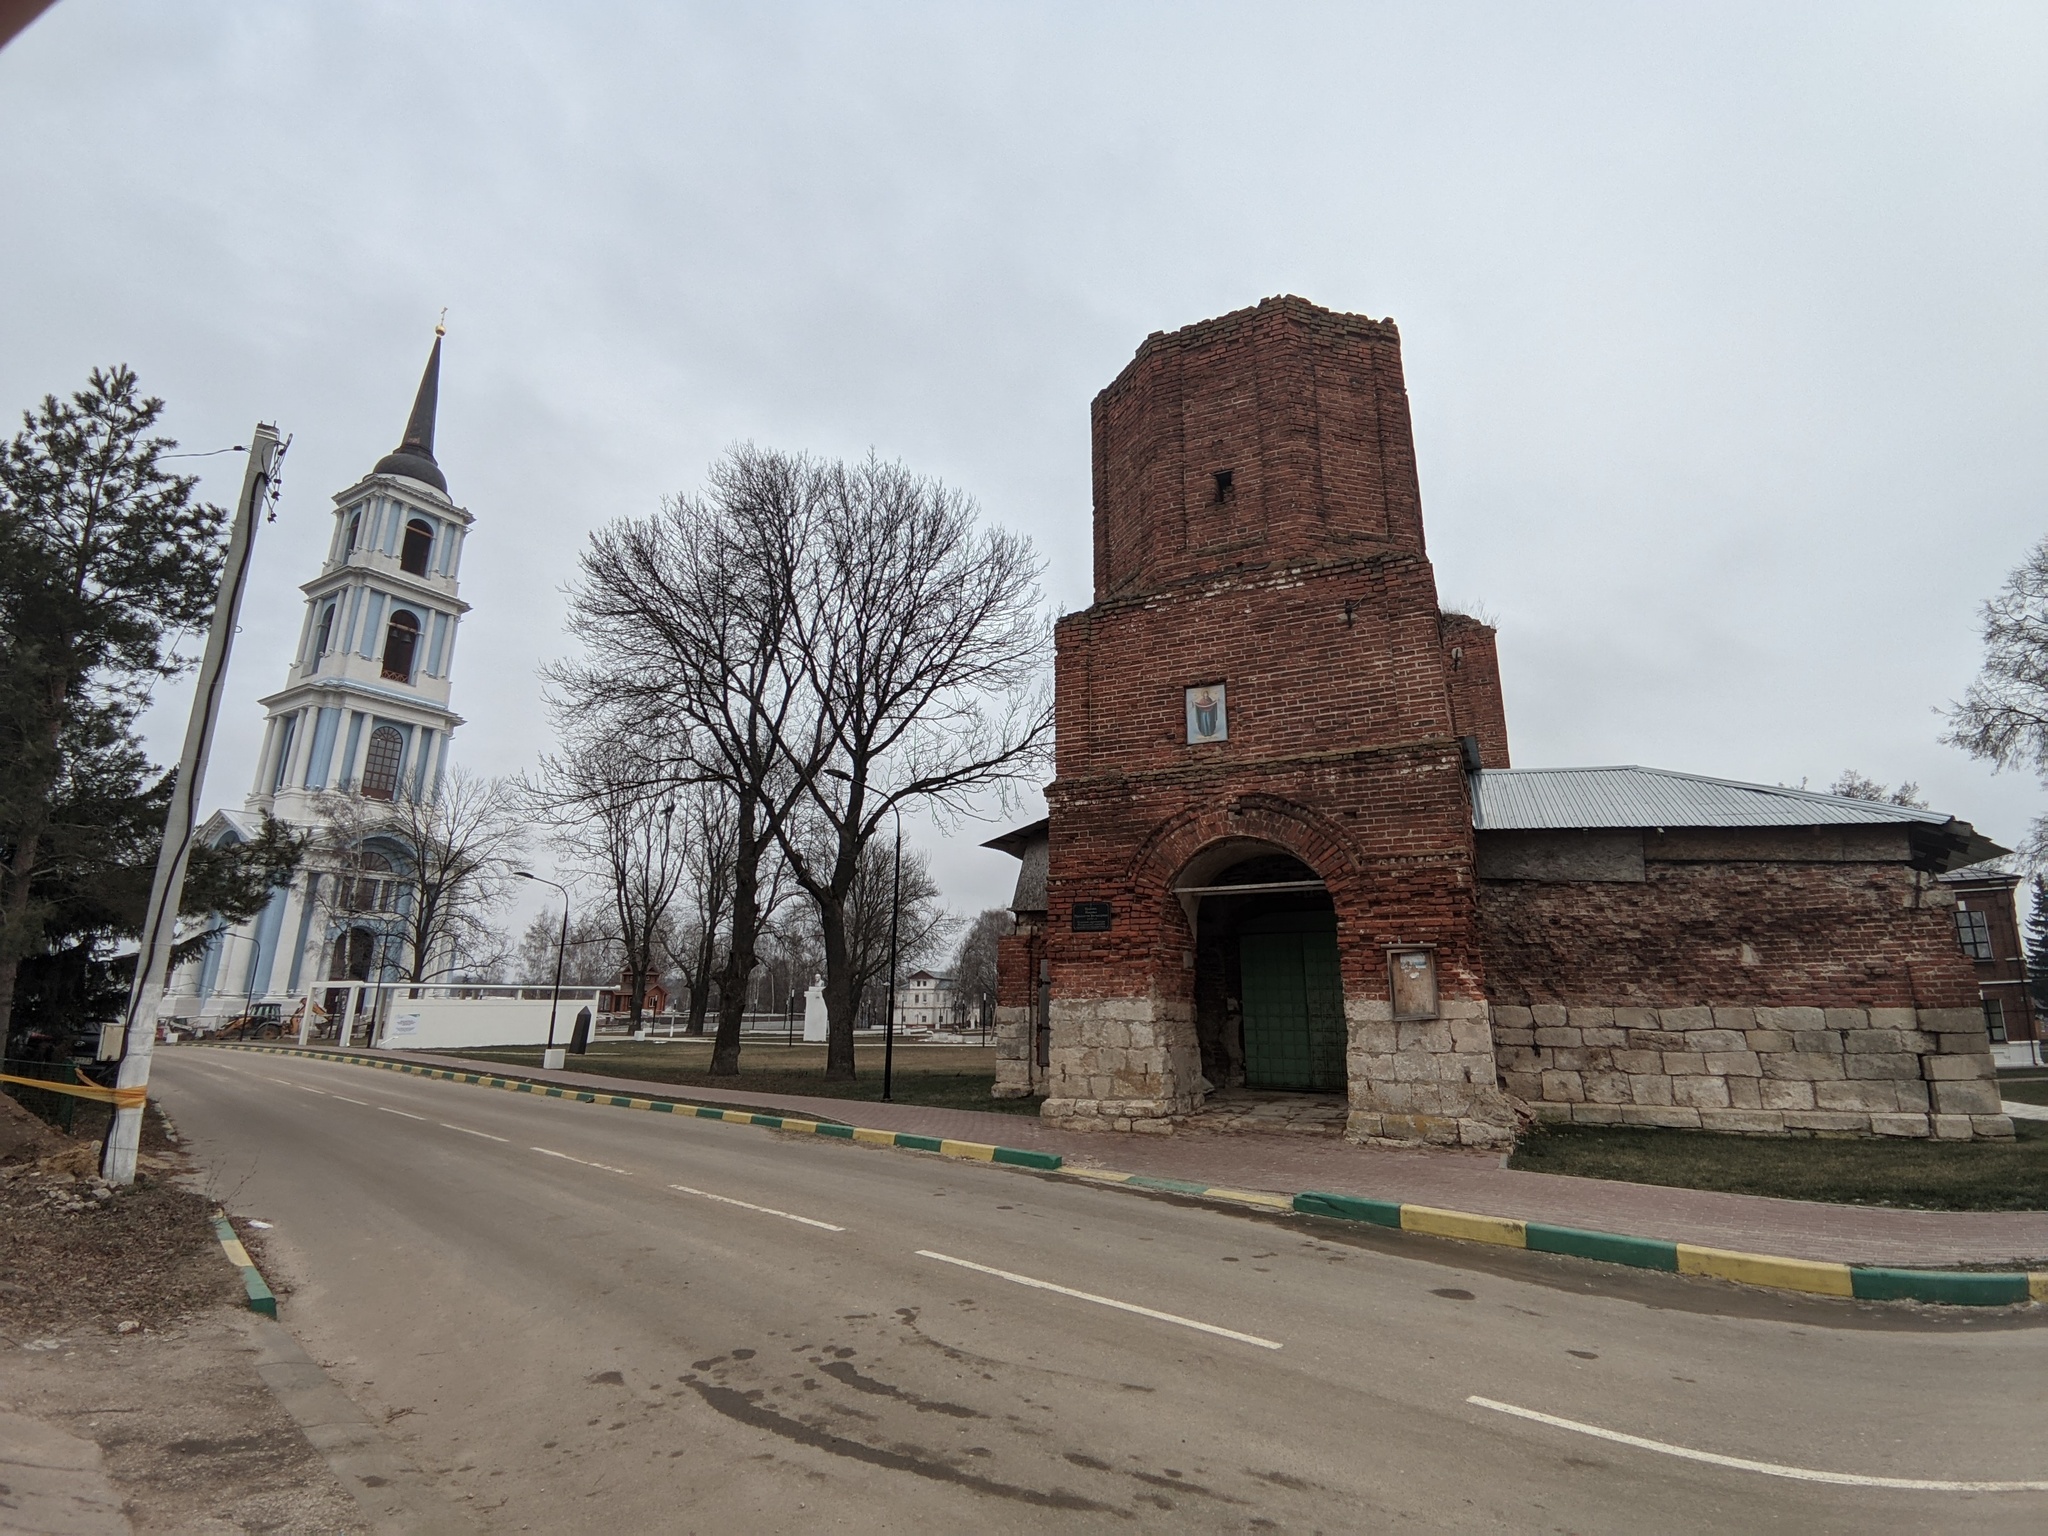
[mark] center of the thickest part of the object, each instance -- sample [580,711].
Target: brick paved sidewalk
[1465,1181]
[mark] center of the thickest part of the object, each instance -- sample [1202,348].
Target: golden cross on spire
[441,325]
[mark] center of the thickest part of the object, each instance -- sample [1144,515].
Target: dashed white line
[1767,1468]
[347,1100]
[304,1089]
[748,1205]
[390,1111]
[607,1167]
[1102,1301]
[487,1136]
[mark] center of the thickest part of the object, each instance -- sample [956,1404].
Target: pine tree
[106,560]
[2037,947]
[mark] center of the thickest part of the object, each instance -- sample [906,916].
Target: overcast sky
[1724,326]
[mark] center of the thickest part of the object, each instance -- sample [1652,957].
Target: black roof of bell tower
[414,455]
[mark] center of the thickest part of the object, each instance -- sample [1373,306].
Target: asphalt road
[580,1318]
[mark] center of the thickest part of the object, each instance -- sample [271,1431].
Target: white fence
[439,1018]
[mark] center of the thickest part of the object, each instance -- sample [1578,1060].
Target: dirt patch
[81,1256]
[122,1321]
[24,1137]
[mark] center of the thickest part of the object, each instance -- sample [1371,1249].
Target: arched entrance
[1269,998]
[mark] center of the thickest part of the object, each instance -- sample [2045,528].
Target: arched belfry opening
[1269,994]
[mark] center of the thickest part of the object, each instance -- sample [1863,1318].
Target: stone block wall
[1897,1071]
[1426,1080]
[1017,964]
[1123,1063]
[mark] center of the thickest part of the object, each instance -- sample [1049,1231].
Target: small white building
[924,1001]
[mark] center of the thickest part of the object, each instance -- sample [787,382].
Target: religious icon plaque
[1207,717]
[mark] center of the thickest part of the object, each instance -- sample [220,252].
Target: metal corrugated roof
[1530,799]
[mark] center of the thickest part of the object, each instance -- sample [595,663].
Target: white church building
[364,710]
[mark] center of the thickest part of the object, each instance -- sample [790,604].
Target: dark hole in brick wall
[1225,489]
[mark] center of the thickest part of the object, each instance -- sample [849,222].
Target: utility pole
[160,924]
[895,923]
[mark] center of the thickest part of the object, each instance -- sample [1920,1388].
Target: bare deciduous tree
[922,637]
[609,798]
[590,958]
[433,867]
[1855,786]
[974,963]
[686,616]
[695,939]
[2003,718]
[924,925]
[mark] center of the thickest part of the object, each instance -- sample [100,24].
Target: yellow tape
[120,1098]
[1474,1229]
[1810,1275]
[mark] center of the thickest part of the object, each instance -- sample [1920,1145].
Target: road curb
[1959,1288]
[259,1293]
[1956,1288]
[976,1151]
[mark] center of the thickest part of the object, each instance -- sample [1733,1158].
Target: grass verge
[937,1077]
[2024,1090]
[1914,1175]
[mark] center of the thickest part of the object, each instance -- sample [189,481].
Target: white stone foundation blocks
[1755,1071]
[1122,1064]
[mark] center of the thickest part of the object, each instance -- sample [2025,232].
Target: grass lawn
[1919,1175]
[2024,1090]
[939,1076]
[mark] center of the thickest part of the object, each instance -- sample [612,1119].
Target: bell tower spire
[414,455]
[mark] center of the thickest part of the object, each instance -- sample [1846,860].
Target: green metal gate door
[1293,1011]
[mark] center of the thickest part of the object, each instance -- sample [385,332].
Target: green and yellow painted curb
[977,1151]
[259,1294]
[1960,1288]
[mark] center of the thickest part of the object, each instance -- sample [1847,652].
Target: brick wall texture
[1258,524]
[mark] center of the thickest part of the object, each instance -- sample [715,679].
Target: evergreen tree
[2037,947]
[106,560]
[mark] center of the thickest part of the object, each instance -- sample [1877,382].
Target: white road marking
[765,1210]
[347,1100]
[390,1111]
[487,1136]
[1767,1468]
[303,1088]
[280,1082]
[607,1167]
[1102,1301]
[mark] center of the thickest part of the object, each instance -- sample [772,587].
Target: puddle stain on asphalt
[736,1405]
[844,1373]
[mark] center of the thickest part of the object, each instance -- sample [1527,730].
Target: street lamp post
[561,947]
[895,922]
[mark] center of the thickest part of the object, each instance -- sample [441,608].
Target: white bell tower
[364,708]
[364,705]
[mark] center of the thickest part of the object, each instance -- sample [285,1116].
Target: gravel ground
[121,1320]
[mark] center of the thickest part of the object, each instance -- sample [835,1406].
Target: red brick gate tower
[1261,860]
